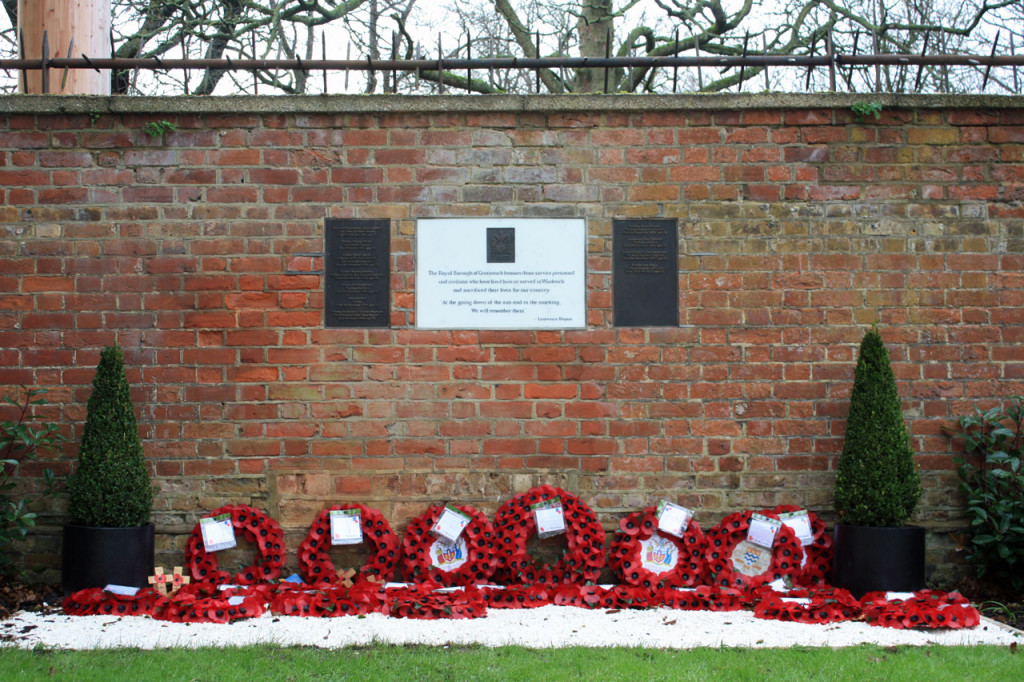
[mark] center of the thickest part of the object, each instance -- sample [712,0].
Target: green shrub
[877,482]
[111,485]
[21,438]
[992,476]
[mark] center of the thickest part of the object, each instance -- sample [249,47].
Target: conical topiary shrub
[877,483]
[111,486]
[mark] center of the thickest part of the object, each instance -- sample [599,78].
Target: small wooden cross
[178,579]
[346,577]
[161,580]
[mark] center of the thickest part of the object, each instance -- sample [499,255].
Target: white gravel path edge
[545,627]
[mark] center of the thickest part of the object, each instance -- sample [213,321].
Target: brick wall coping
[342,104]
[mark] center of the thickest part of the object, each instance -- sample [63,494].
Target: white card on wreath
[123,590]
[346,527]
[763,530]
[217,533]
[549,517]
[899,596]
[800,522]
[450,524]
[673,519]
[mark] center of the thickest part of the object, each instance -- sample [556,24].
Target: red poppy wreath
[817,562]
[429,601]
[468,560]
[314,552]
[515,523]
[802,605]
[330,601]
[733,561]
[206,603]
[642,555]
[927,609]
[94,601]
[701,598]
[515,596]
[259,529]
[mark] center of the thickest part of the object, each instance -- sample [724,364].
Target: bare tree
[380,29]
[658,28]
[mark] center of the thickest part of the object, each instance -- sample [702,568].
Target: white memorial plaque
[501,273]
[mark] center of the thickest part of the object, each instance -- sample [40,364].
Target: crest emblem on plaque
[501,245]
[449,555]
[658,554]
[750,559]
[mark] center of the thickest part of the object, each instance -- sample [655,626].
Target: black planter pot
[96,557]
[869,559]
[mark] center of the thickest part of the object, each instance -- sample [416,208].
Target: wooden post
[86,22]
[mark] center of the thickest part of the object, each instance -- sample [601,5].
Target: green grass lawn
[412,663]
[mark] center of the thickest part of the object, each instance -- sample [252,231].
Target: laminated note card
[549,517]
[800,522]
[763,530]
[217,532]
[673,519]
[450,524]
[346,527]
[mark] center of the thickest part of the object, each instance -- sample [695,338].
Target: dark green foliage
[111,486]
[21,439]
[992,476]
[877,483]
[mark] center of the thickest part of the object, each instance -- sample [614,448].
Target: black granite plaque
[501,245]
[357,273]
[645,273]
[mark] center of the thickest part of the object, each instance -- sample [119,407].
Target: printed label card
[217,533]
[450,524]
[673,519]
[346,527]
[123,590]
[549,517]
[800,522]
[899,596]
[763,530]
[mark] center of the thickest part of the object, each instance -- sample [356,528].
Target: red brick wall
[200,253]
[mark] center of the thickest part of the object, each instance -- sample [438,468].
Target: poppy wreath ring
[724,539]
[639,544]
[259,529]
[807,605]
[314,552]
[470,560]
[515,523]
[817,566]
[926,609]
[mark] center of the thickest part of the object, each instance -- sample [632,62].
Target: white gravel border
[544,627]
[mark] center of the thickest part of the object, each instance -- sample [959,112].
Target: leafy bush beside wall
[877,482]
[992,476]
[111,486]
